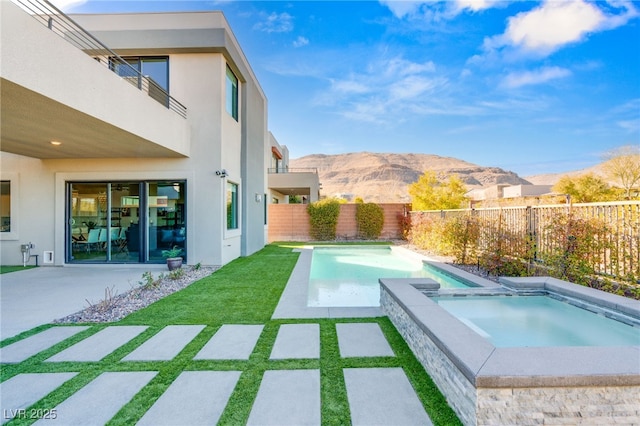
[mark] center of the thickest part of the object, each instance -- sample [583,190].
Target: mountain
[384,177]
[552,178]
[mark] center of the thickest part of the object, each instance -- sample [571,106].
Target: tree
[429,193]
[587,188]
[623,166]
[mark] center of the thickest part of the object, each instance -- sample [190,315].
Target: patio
[323,370]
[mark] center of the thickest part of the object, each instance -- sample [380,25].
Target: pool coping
[487,366]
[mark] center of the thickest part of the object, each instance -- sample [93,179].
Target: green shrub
[176,274]
[323,218]
[370,219]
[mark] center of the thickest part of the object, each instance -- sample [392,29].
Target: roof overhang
[52,91]
[31,121]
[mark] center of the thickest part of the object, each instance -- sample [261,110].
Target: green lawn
[245,291]
[5,269]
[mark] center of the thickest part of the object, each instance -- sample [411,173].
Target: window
[5,206]
[232,94]
[232,205]
[156,69]
[125,221]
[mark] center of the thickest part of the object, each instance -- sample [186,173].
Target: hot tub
[487,383]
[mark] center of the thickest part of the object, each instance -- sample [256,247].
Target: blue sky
[530,86]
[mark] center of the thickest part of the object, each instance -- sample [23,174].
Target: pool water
[348,276]
[520,321]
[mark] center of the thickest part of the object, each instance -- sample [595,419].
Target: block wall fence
[290,222]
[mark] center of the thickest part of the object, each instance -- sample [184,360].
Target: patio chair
[115,236]
[122,240]
[102,239]
[92,240]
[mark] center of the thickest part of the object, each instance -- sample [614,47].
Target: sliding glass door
[166,226]
[124,222]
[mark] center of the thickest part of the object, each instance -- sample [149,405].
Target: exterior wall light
[222,173]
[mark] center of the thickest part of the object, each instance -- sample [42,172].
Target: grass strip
[245,291]
[5,269]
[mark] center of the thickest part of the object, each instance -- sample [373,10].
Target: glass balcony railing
[65,27]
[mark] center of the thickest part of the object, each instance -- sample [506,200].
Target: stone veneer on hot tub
[485,384]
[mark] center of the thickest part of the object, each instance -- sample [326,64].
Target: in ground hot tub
[515,381]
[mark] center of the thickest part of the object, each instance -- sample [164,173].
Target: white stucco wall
[216,141]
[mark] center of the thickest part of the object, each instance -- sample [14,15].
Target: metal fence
[612,248]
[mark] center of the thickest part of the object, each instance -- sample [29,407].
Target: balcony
[300,181]
[58,84]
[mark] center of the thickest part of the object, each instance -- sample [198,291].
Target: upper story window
[154,67]
[232,94]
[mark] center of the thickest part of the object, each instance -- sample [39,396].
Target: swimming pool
[348,275]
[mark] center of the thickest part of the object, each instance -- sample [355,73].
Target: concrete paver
[99,345]
[166,344]
[287,397]
[297,341]
[23,390]
[231,341]
[26,348]
[383,396]
[194,398]
[100,399]
[362,340]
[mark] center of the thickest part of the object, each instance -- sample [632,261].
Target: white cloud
[630,126]
[300,41]
[473,5]
[553,25]
[276,23]
[412,87]
[436,10]
[626,116]
[349,87]
[528,78]
[401,8]
[385,91]
[556,23]
[401,67]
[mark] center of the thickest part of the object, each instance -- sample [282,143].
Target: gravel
[472,269]
[114,307]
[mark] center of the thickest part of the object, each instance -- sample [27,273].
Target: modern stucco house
[112,154]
